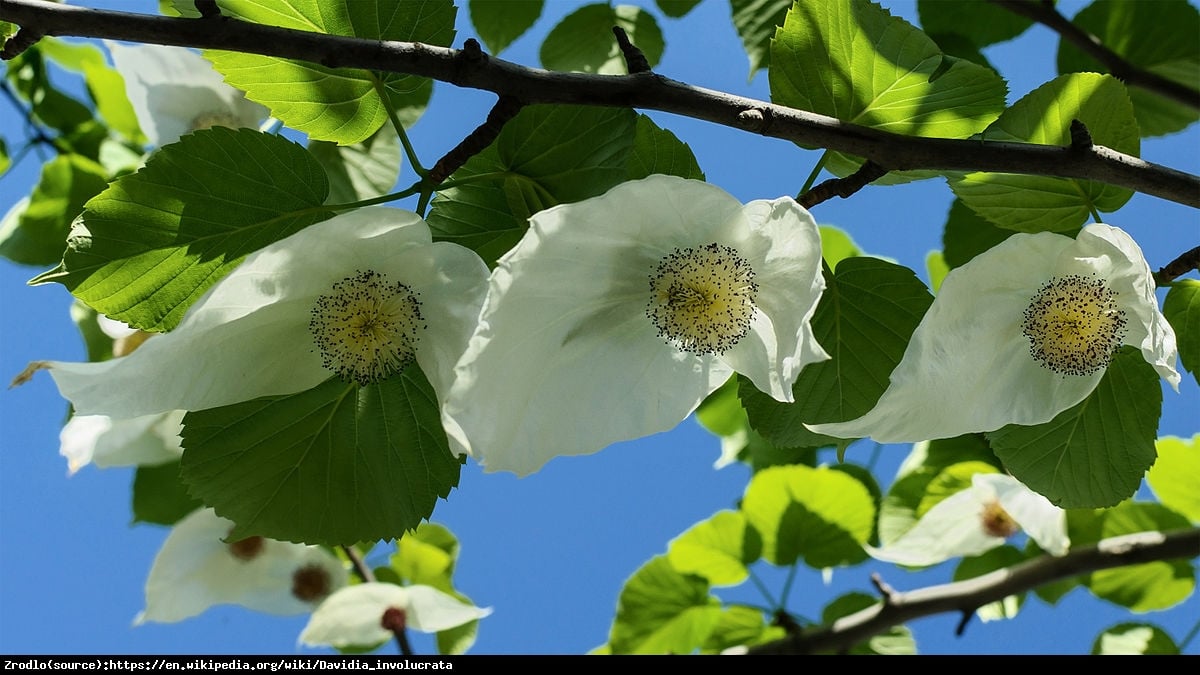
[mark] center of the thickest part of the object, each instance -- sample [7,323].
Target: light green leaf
[360,171]
[7,30]
[982,23]
[856,62]
[663,611]
[864,320]
[936,268]
[154,241]
[717,549]
[458,640]
[897,640]
[676,8]
[1134,638]
[584,41]
[1095,453]
[1174,475]
[657,150]
[740,626]
[967,234]
[500,23]
[1149,586]
[27,72]
[755,22]
[902,505]
[1028,203]
[159,496]
[950,480]
[74,56]
[107,88]
[35,231]
[546,155]
[1182,309]
[721,413]
[343,105]
[336,464]
[837,245]
[1157,36]
[5,161]
[822,514]
[426,556]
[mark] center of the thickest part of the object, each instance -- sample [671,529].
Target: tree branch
[966,596]
[640,90]
[1045,14]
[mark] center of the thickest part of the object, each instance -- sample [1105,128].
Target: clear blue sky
[549,552]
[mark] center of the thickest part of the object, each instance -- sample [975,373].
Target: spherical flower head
[198,567]
[363,615]
[358,296]
[174,91]
[1019,334]
[614,317]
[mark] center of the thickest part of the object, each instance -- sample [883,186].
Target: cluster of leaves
[145,237]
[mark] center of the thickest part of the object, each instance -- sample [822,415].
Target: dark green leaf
[36,233]
[897,640]
[360,171]
[27,73]
[755,22]
[159,496]
[981,23]
[501,22]
[967,234]
[336,464]
[1095,453]
[1182,309]
[657,150]
[662,611]
[676,8]
[584,41]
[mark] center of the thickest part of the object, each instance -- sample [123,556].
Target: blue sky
[551,551]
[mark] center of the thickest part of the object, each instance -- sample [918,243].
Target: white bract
[106,442]
[976,520]
[354,616]
[195,569]
[614,317]
[1019,334]
[173,90]
[357,296]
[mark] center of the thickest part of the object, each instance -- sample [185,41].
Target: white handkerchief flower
[614,317]
[195,569]
[976,520]
[1019,334]
[359,295]
[173,90]
[106,442]
[355,615]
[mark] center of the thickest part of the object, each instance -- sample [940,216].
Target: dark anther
[18,43]
[635,60]
[1081,138]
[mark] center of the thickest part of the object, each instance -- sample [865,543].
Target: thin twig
[1178,267]
[635,60]
[505,109]
[842,187]
[393,619]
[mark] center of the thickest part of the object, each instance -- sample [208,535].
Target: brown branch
[640,90]
[1178,267]
[483,135]
[635,60]
[1046,14]
[842,187]
[967,596]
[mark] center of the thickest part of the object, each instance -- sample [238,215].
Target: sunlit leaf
[1134,638]
[35,231]
[663,611]
[755,22]
[657,150]
[500,23]
[360,171]
[1149,586]
[1174,475]
[718,549]
[584,40]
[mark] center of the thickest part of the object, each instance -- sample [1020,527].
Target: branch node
[208,9]
[1178,267]
[752,119]
[505,109]
[24,39]
[842,187]
[472,52]
[1081,138]
[889,594]
[635,60]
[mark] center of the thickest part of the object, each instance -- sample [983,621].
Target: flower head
[1019,334]
[196,568]
[614,317]
[361,615]
[976,520]
[357,296]
[174,90]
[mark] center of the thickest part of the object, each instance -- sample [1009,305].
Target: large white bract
[353,616]
[1019,334]
[614,317]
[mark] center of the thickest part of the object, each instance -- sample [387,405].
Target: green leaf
[755,22]
[663,611]
[1157,36]
[1173,476]
[107,88]
[1028,203]
[99,346]
[676,8]
[1149,586]
[982,23]
[546,155]
[740,626]
[360,171]
[897,640]
[718,549]
[822,514]
[1182,309]
[864,320]
[990,561]
[336,464]
[949,481]
[159,496]
[74,56]
[967,234]
[5,161]
[343,105]
[936,268]
[837,245]
[154,241]
[426,556]
[584,42]
[27,73]
[657,150]
[1095,453]
[500,23]
[856,62]
[35,231]
[1134,638]
[458,640]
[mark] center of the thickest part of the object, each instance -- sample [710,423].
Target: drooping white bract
[976,520]
[196,569]
[173,90]
[106,442]
[357,295]
[614,317]
[1020,333]
[354,616]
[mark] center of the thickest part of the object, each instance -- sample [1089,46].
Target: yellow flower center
[996,521]
[1074,325]
[366,328]
[208,120]
[702,299]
